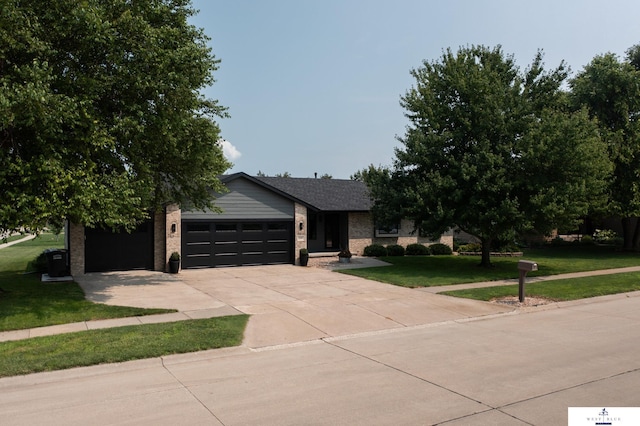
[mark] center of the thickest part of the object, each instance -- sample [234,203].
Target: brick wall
[362,234]
[300,235]
[172,234]
[76,248]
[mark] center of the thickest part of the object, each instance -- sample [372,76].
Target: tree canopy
[491,150]
[101,116]
[610,89]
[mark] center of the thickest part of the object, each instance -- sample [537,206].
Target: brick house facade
[264,220]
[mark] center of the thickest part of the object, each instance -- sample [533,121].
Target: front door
[332,231]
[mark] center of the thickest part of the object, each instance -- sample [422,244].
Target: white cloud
[230,151]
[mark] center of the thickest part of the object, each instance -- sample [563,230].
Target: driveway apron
[287,304]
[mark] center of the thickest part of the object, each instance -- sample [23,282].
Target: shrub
[345,253]
[375,250]
[417,250]
[586,240]
[440,249]
[40,264]
[395,250]
[605,236]
[472,247]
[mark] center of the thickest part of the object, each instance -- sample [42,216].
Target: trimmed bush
[440,249]
[416,249]
[587,240]
[395,250]
[40,264]
[375,250]
[471,247]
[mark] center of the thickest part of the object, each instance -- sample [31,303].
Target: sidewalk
[522,369]
[21,240]
[530,280]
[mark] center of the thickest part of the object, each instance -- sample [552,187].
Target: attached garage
[222,243]
[106,250]
[255,227]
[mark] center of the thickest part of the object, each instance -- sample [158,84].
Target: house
[264,220]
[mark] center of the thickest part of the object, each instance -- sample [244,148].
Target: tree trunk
[486,252]
[627,234]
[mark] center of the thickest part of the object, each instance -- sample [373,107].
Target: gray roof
[338,195]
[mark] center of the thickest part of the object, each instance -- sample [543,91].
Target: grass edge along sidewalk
[120,344]
[557,289]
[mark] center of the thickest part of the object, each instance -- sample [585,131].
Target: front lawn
[559,290]
[427,271]
[26,302]
[119,344]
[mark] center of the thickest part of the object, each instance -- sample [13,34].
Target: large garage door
[106,250]
[213,244]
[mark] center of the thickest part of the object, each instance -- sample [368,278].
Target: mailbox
[524,266]
[527,265]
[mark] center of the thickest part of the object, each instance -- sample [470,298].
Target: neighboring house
[264,220]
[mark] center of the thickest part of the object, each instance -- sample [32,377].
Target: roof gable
[318,194]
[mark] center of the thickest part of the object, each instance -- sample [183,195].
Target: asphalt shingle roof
[323,194]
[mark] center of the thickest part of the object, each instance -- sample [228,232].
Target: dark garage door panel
[213,244]
[106,250]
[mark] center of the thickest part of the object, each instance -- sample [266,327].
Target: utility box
[527,265]
[56,262]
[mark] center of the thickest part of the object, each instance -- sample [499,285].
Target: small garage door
[213,244]
[106,250]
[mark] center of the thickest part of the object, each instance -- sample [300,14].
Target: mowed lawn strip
[26,302]
[119,344]
[427,271]
[559,290]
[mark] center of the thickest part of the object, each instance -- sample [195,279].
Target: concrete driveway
[288,304]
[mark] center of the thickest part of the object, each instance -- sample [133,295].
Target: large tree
[610,89]
[491,150]
[101,117]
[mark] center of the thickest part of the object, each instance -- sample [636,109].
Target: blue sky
[314,86]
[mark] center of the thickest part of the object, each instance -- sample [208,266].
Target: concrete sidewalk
[522,369]
[326,348]
[21,240]
[530,280]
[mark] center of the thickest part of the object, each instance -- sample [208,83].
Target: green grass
[118,344]
[559,290]
[25,302]
[426,271]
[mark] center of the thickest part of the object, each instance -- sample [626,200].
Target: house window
[387,230]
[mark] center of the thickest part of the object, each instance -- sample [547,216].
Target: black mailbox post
[524,266]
